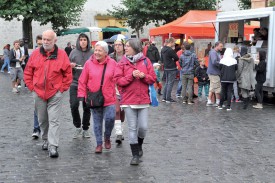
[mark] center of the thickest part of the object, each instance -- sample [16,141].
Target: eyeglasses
[118,45]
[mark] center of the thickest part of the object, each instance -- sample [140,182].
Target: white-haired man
[48,74]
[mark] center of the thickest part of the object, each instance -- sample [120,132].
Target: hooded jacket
[228,66]
[46,74]
[90,79]
[79,57]
[245,75]
[169,58]
[134,91]
[153,54]
[188,62]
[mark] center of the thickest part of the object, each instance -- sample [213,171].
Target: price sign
[233,30]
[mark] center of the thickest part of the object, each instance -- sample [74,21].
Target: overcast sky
[229,5]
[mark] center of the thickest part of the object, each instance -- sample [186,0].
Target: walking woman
[260,67]
[6,58]
[134,74]
[90,79]
[245,75]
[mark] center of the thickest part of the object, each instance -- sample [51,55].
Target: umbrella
[78,30]
[118,37]
[178,41]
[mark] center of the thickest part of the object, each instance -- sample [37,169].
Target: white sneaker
[77,132]
[258,106]
[14,90]
[86,134]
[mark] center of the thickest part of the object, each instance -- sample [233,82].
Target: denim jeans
[137,120]
[107,113]
[187,83]
[206,89]
[179,88]
[235,89]
[74,104]
[36,126]
[169,82]
[6,63]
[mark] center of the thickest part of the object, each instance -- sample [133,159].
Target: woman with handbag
[134,74]
[97,77]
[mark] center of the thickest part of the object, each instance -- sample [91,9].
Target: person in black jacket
[153,53]
[169,59]
[260,67]
[228,66]
[203,79]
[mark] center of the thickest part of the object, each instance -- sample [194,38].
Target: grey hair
[51,31]
[103,44]
[135,44]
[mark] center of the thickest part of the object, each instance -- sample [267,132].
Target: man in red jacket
[48,74]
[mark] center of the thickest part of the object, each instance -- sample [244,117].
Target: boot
[159,92]
[140,142]
[245,103]
[118,131]
[135,151]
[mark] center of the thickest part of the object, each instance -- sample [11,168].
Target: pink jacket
[134,91]
[90,79]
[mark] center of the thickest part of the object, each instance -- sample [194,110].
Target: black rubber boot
[245,103]
[135,151]
[140,142]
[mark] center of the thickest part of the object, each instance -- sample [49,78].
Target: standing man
[16,59]
[68,49]
[48,74]
[78,58]
[169,59]
[153,53]
[214,72]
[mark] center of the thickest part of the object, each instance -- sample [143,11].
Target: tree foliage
[244,4]
[59,13]
[139,13]
[272,3]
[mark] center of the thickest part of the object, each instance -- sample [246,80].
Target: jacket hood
[228,59]
[78,42]
[243,51]
[247,58]
[187,52]
[166,48]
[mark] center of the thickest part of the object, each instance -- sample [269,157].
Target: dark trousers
[259,92]
[169,82]
[226,93]
[74,104]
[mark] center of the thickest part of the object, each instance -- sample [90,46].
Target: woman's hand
[136,73]
[141,75]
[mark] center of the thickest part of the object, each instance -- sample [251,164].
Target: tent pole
[215,29]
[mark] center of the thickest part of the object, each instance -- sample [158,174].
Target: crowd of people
[114,86]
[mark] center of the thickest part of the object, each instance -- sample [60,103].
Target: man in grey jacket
[78,57]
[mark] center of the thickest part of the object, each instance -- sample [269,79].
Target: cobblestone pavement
[185,143]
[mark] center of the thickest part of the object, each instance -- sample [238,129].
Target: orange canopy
[183,26]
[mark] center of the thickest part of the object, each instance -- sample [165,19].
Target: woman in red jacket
[90,79]
[134,74]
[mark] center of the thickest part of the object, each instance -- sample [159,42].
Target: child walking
[203,79]
[157,84]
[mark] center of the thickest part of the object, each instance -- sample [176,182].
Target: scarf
[134,58]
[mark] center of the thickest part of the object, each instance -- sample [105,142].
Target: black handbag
[96,99]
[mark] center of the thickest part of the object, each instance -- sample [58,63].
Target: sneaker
[9,72]
[119,139]
[2,71]
[209,104]
[190,102]
[170,101]
[77,133]
[215,105]
[35,134]
[238,101]
[223,105]
[163,100]
[53,152]
[14,90]
[19,86]
[229,109]
[184,101]
[86,134]
[258,106]
[45,145]
[219,107]
[178,96]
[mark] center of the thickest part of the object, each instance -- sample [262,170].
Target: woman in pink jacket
[90,79]
[134,74]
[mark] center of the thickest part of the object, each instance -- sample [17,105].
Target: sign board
[233,30]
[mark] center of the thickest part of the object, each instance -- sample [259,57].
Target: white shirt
[17,56]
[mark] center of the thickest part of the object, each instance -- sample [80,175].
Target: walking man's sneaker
[190,102]
[45,145]
[77,133]
[258,106]
[53,152]
[86,134]
[35,134]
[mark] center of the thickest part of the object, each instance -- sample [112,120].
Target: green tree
[244,4]
[59,13]
[139,13]
[272,3]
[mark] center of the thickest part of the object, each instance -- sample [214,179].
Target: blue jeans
[179,85]
[206,89]
[235,89]
[35,122]
[6,63]
[107,113]
[169,82]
